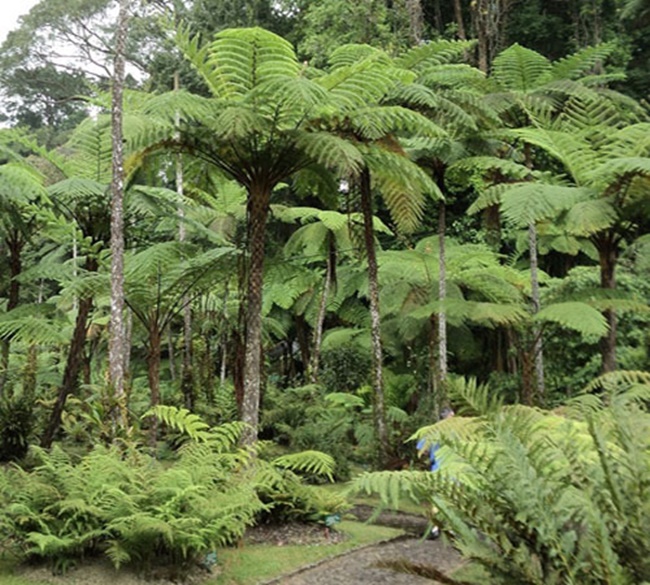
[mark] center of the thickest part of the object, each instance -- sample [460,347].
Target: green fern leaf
[182,420]
[311,462]
[573,315]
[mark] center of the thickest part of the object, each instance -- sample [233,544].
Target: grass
[252,564]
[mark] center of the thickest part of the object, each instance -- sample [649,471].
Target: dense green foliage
[134,509]
[537,496]
[331,209]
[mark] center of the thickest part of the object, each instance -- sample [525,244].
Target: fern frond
[532,202]
[402,184]
[583,61]
[332,151]
[473,398]
[520,69]
[434,53]
[573,315]
[391,487]
[359,85]
[182,420]
[118,554]
[618,381]
[589,217]
[351,53]
[311,462]
[377,122]
[244,59]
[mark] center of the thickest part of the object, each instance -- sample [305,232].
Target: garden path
[408,560]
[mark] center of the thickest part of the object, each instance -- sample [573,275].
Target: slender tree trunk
[608,256]
[172,353]
[432,399]
[537,349]
[375,323]
[479,17]
[238,360]
[153,376]
[224,363]
[207,375]
[187,374]
[258,207]
[187,370]
[442,295]
[460,23]
[437,17]
[322,310]
[117,341]
[15,244]
[416,21]
[224,338]
[492,221]
[527,367]
[71,372]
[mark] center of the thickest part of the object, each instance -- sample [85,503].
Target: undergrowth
[126,505]
[541,497]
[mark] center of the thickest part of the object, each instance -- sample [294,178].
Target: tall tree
[117,340]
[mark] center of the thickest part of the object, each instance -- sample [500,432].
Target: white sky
[10,10]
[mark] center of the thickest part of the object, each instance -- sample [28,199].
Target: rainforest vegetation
[250,246]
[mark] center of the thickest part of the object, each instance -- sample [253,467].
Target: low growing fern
[128,506]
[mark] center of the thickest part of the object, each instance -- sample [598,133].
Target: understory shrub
[288,498]
[308,418]
[542,497]
[16,422]
[345,368]
[126,505]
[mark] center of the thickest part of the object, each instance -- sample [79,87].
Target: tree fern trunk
[117,345]
[437,17]
[69,384]
[258,206]
[460,22]
[416,22]
[607,252]
[431,401]
[480,29]
[322,310]
[153,376]
[303,338]
[537,349]
[375,324]
[187,374]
